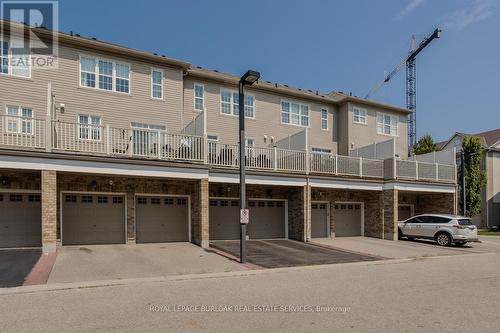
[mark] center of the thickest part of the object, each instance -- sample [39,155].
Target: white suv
[444,229]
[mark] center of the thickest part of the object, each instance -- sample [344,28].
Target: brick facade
[199,217]
[49,210]
[296,197]
[130,186]
[371,203]
[390,213]
[437,203]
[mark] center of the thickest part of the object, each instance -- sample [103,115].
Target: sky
[324,45]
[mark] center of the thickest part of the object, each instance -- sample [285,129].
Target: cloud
[477,11]
[414,4]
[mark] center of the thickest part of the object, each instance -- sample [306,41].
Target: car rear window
[464,222]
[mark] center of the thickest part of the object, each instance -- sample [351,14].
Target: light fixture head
[250,77]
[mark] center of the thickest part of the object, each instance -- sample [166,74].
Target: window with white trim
[324,119]
[324,151]
[157,84]
[199,95]
[359,115]
[387,124]
[14,63]
[294,113]
[213,138]
[111,76]
[212,144]
[249,142]
[19,120]
[89,127]
[229,103]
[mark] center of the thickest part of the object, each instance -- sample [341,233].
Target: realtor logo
[29,31]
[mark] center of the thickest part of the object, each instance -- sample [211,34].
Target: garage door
[267,219]
[20,220]
[347,219]
[496,214]
[93,219]
[161,219]
[319,220]
[404,212]
[224,219]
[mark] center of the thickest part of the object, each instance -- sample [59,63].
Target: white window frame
[89,127]
[19,120]
[299,115]
[248,140]
[202,98]
[234,107]
[96,73]
[324,119]
[9,61]
[393,124]
[361,115]
[153,84]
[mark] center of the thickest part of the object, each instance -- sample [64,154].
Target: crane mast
[411,83]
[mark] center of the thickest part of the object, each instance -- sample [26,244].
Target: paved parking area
[408,249]
[288,253]
[103,262]
[16,264]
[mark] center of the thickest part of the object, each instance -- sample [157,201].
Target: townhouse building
[117,145]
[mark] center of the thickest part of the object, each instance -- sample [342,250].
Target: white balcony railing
[22,132]
[37,134]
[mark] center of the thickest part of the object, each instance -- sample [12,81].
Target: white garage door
[320,227]
[93,219]
[267,219]
[347,219]
[20,220]
[224,219]
[161,219]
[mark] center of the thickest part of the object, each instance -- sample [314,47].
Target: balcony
[104,140]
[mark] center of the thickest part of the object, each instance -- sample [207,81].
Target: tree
[425,145]
[475,178]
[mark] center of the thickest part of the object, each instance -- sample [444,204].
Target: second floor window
[20,120]
[157,84]
[324,119]
[322,151]
[14,63]
[359,115]
[109,75]
[387,124]
[199,95]
[294,113]
[229,103]
[89,127]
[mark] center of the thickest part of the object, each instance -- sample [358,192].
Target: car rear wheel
[443,239]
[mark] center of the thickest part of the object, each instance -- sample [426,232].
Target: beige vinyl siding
[343,129]
[362,135]
[267,122]
[116,109]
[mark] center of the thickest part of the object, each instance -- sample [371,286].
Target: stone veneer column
[390,214]
[299,214]
[199,223]
[49,210]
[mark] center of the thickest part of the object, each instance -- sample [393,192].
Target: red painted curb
[40,272]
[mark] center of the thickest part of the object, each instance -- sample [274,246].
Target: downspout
[184,74]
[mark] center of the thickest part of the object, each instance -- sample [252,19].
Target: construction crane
[411,82]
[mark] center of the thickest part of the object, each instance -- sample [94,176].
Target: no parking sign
[244,216]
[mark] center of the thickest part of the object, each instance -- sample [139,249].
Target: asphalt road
[456,293]
[288,253]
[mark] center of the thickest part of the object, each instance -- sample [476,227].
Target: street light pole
[249,78]
[243,201]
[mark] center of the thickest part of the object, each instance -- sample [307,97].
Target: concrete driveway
[16,264]
[104,262]
[289,253]
[408,249]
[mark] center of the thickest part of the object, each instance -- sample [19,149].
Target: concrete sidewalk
[405,249]
[105,262]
